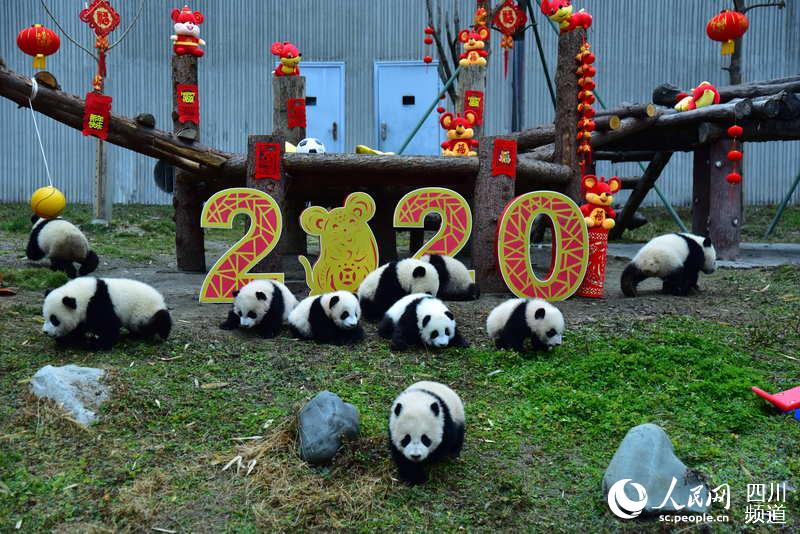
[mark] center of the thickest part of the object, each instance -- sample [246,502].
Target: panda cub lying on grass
[90,311]
[328,318]
[516,320]
[455,283]
[261,306]
[390,282]
[63,244]
[426,424]
[419,319]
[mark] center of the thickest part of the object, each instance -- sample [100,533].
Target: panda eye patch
[434,334]
[426,440]
[551,332]
[406,440]
[345,315]
[447,331]
[252,314]
[54,320]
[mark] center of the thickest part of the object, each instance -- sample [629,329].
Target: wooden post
[492,194]
[103,197]
[277,189]
[383,226]
[566,120]
[717,209]
[643,186]
[283,89]
[471,78]
[188,195]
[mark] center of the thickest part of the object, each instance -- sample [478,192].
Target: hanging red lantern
[726,28]
[734,178]
[735,131]
[39,42]
[428,40]
[440,110]
[508,18]
[429,30]
[427,59]
[735,155]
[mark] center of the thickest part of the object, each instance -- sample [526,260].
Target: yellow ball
[48,202]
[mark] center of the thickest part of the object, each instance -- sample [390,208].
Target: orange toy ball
[48,202]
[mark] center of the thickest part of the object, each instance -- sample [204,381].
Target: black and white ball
[328,318]
[92,311]
[419,319]
[516,320]
[261,306]
[63,244]
[426,425]
[455,283]
[390,282]
[310,145]
[675,258]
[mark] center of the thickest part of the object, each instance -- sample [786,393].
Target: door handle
[384,130]
[335,131]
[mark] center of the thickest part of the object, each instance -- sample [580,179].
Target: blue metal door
[403,92]
[325,102]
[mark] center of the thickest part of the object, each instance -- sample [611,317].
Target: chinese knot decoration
[428,41]
[734,154]
[509,19]
[289,57]
[39,42]
[186,40]
[586,99]
[561,12]
[103,19]
[726,28]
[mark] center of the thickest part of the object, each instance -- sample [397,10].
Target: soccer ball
[310,145]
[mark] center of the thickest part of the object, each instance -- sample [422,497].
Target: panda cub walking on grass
[455,283]
[389,283]
[261,306]
[675,258]
[419,319]
[328,318]
[63,244]
[426,424]
[516,320]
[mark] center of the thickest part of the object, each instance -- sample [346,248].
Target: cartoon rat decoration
[597,212]
[474,43]
[459,134]
[561,12]
[290,58]
[703,95]
[186,40]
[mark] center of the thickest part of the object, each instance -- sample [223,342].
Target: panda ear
[419,272]
[260,295]
[333,301]
[426,320]
[235,293]
[707,242]
[449,314]
[539,313]
[435,408]
[397,408]
[48,291]
[70,302]
[34,218]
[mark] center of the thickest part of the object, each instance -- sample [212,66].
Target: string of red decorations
[103,19]
[508,19]
[39,42]
[735,155]
[586,85]
[428,41]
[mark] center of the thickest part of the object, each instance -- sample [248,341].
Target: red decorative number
[456,216]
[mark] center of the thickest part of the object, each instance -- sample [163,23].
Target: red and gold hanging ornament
[428,59]
[726,27]
[586,99]
[509,19]
[561,12]
[480,21]
[735,155]
[103,19]
[97,115]
[39,42]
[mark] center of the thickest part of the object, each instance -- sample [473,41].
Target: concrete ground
[752,255]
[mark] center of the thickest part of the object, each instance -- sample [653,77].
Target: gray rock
[77,389]
[646,457]
[322,423]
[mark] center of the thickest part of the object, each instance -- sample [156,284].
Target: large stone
[77,389]
[322,423]
[646,457]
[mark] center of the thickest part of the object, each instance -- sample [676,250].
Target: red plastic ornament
[726,28]
[429,30]
[440,110]
[587,84]
[428,40]
[735,131]
[427,59]
[39,42]
[735,155]
[734,178]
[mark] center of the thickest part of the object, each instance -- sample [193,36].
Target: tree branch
[779,5]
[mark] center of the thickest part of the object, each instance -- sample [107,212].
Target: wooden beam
[667,94]
[566,120]
[717,206]
[277,189]
[643,186]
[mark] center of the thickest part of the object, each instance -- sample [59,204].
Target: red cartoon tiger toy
[597,212]
[459,134]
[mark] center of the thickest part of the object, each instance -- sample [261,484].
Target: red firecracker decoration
[509,19]
[39,42]
[103,19]
[586,99]
[97,115]
[735,155]
[188,103]
[726,28]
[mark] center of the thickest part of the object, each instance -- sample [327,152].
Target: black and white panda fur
[328,318]
[455,283]
[516,320]
[63,244]
[92,310]
[426,424]
[419,319]
[675,258]
[389,283]
[262,306]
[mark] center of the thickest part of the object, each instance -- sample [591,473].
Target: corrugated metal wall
[639,44]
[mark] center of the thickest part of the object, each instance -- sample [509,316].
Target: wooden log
[471,78]
[729,112]
[566,120]
[643,186]
[783,106]
[717,205]
[535,137]
[623,155]
[637,111]
[667,94]
[629,182]
[188,196]
[494,192]
[277,189]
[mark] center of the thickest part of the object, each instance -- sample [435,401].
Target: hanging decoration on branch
[735,155]
[561,12]
[39,42]
[508,19]
[186,40]
[97,115]
[726,27]
[428,42]
[586,99]
[103,19]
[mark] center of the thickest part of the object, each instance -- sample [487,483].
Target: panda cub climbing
[91,311]
[389,283]
[63,244]
[426,425]
[261,306]
[328,318]
[675,258]
[516,320]
[455,283]
[419,319]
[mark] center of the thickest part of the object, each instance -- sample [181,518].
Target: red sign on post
[296,113]
[97,115]
[504,158]
[188,103]
[473,101]
[267,161]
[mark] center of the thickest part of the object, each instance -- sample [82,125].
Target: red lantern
[735,131]
[429,30]
[427,59]
[428,40]
[39,42]
[440,110]
[735,155]
[727,27]
[734,178]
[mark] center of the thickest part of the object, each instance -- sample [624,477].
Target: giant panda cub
[63,244]
[455,283]
[675,258]
[91,311]
[516,320]
[327,318]
[262,306]
[419,319]
[389,283]
[426,424]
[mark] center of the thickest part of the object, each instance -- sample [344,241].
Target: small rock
[646,457]
[322,423]
[77,389]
